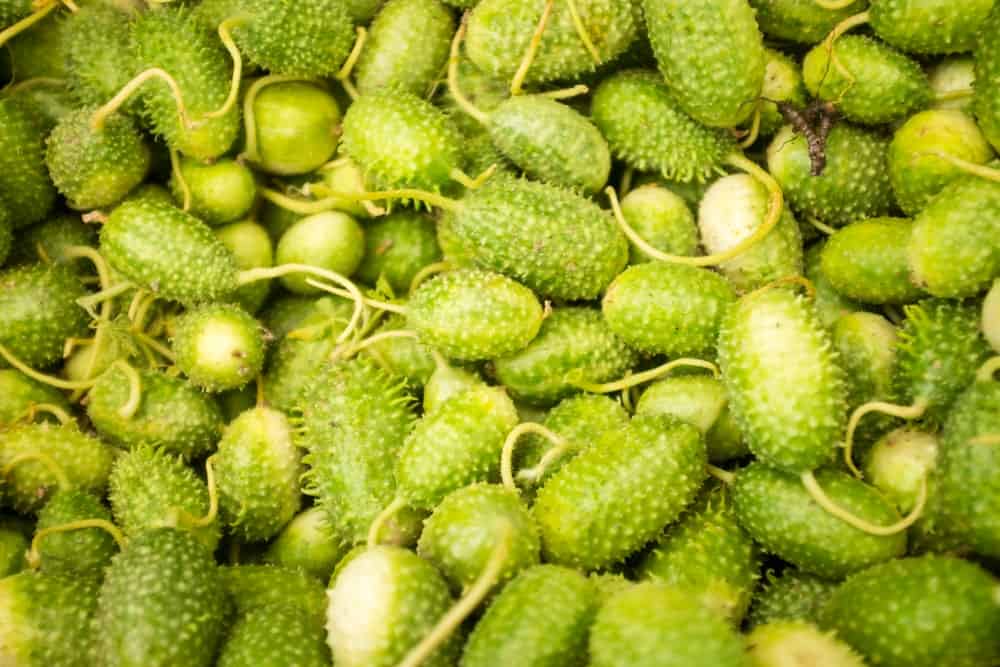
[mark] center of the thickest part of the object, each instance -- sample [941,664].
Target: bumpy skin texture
[201,67]
[919,612]
[916,177]
[776,510]
[986,101]
[455,445]
[573,345]
[540,619]
[96,167]
[18,393]
[307,543]
[401,140]
[6,233]
[646,127]
[967,474]
[551,142]
[97,48]
[54,235]
[554,241]
[257,470]
[397,247]
[854,185]
[38,311]
[940,348]
[45,619]
[405,357]
[80,552]
[930,26]
[84,459]
[662,219]
[463,531]
[303,38]
[708,554]
[407,597]
[866,343]
[784,383]
[275,636]
[407,47]
[803,22]
[954,250]
[867,261]
[24,181]
[254,586]
[470,314]
[654,625]
[618,494]
[671,309]
[162,602]
[797,644]
[172,415]
[500,31]
[147,488]
[732,208]
[884,86]
[792,595]
[828,303]
[169,252]
[218,346]
[711,54]
[354,419]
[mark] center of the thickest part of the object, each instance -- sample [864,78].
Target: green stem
[226,36]
[507,452]
[13,31]
[34,558]
[54,468]
[383,516]
[517,83]
[902,411]
[101,115]
[645,376]
[824,501]
[50,380]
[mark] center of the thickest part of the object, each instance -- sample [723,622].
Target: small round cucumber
[663,219]
[295,126]
[867,261]
[80,552]
[331,240]
[397,247]
[307,543]
[218,347]
[220,192]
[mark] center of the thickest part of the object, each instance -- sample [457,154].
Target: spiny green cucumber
[711,55]
[254,586]
[469,314]
[331,240]
[308,543]
[869,81]
[97,52]
[540,619]
[664,308]
[220,192]
[38,312]
[502,34]
[257,469]
[574,345]
[171,414]
[55,238]
[900,462]
[252,248]
[46,617]
[854,184]
[455,445]
[27,191]
[401,140]
[792,595]
[772,344]
[82,551]
[303,38]
[402,355]
[916,170]
[735,207]
[397,247]
[645,126]
[919,612]
[699,400]
[405,596]
[407,47]
[275,636]
[798,644]
[655,625]
[482,90]
[199,66]
[38,458]
[708,554]
[218,347]
[986,96]
[149,489]
[354,419]
[929,26]
[40,51]
[292,127]
[18,393]
[779,513]
[663,219]
[446,381]
[618,494]
[800,21]
[867,261]
[162,602]
[954,250]
[459,536]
